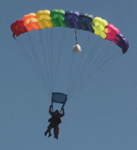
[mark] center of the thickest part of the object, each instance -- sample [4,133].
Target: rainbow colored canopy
[70,19]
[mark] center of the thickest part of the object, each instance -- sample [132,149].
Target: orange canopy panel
[31,21]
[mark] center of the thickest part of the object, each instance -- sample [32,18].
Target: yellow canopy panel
[44,18]
[98,25]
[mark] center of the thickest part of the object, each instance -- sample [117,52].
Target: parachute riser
[76,47]
[52,104]
[62,107]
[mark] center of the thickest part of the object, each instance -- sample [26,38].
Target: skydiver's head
[57,111]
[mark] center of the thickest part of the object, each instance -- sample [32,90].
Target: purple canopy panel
[72,19]
[122,42]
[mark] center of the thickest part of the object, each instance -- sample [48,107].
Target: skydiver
[54,122]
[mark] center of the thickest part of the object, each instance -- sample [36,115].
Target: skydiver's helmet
[57,112]
[77,48]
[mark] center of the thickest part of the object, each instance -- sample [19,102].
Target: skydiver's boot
[50,134]
[56,137]
[45,133]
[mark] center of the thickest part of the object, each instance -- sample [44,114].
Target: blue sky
[102,114]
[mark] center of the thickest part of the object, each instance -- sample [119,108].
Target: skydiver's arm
[61,115]
[50,111]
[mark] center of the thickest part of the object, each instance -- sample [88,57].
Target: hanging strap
[76,36]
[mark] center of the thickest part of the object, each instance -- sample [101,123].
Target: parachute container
[77,48]
[59,98]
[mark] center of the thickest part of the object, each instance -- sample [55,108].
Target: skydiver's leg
[56,132]
[49,130]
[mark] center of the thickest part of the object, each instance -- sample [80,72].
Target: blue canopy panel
[59,98]
[86,21]
[72,19]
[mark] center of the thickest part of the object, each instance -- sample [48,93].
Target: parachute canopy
[70,19]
